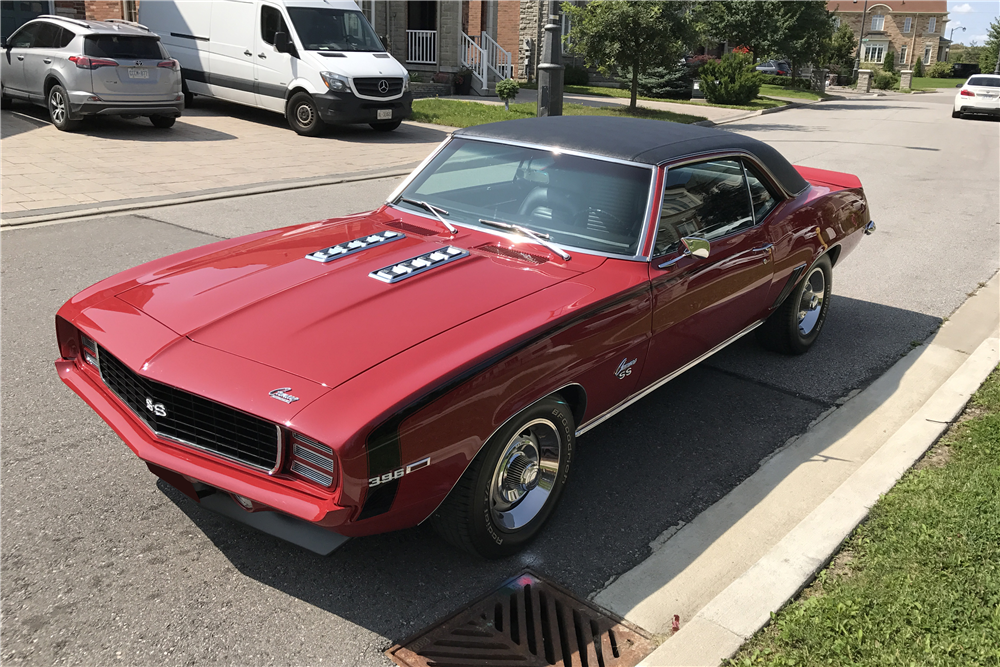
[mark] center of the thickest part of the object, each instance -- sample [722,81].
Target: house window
[874,53]
[878,22]
[932,24]
[927,54]
[902,55]
[907,24]
[567,25]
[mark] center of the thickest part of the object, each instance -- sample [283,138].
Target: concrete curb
[744,607]
[754,114]
[65,214]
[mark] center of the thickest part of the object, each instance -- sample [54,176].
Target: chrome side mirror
[693,247]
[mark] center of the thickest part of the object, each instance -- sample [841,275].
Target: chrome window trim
[736,152]
[611,412]
[643,233]
[161,436]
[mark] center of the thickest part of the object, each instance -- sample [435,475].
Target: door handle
[261,55]
[765,248]
[47,61]
[20,57]
[247,53]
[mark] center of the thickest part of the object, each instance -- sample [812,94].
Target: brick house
[909,28]
[15,14]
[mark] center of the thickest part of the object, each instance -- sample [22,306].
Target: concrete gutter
[67,213]
[754,550]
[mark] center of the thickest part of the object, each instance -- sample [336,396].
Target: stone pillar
[819,80]
[864,81]
[906,79]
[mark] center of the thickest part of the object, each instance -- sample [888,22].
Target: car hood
[328,322]
[354,63]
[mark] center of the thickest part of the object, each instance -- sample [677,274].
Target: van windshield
[324,29]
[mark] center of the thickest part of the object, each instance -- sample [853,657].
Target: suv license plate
[383,114]
[137,73]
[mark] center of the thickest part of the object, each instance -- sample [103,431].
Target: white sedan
[980,94]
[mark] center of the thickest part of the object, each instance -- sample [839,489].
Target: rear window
[123,47]
[989,81]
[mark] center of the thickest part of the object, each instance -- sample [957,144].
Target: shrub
[785,81]
[576,76]
[890,62]
[672,82]
[918,68]
[941,70]
[732,80]
[507,90]
[885,80]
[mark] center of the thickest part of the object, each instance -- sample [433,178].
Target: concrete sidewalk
[754,550]
[214,147]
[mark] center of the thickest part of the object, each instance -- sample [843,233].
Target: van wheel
[188,95]
[58,103]
[385,127]
[162,122]
[303,116]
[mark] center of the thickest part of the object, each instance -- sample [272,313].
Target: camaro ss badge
[156,408]
[282,396]
[625,369]
[399,472]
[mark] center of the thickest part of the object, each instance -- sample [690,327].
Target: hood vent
[355,245]
[381,55]
[419,264]
[409,227]
[519,255]
[332,55]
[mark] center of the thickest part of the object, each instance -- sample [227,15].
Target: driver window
[25,38]
[708,200]
[271,22]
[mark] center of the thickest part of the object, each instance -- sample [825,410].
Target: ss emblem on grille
[156,408]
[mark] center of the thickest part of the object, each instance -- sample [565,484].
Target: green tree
[806,32]
[756,25]
[918,68]
[988,56]
[629,37]
[890,62]
[841,50]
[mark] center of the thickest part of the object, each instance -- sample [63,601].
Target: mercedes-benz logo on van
[383,86]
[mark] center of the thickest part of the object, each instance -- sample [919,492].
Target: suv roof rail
[78,22]
[124,22]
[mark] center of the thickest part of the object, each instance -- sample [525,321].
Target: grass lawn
[601,91]
[795,93]
[459,113]
[919,582]
[927,83]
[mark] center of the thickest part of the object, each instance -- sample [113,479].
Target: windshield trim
[650,200]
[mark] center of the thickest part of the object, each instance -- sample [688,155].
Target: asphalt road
[102,565]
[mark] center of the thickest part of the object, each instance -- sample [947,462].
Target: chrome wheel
[811,303]
[57,106]
[525,474]
[305,115]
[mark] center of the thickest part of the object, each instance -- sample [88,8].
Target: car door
[18,47]
[701,302]
[231,63]
[272,70]
[38,60]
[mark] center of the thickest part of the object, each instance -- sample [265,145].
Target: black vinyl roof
[634,139]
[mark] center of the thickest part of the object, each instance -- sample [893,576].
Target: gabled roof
[900,6]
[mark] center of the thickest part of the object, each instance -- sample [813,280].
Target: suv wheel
[5,102]
[303,116]
[59,109]
[163,122]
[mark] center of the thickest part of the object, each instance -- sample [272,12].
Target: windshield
[324,29]
[123,47]
[581,202]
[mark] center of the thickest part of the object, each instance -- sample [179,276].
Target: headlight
[335,82]
[406,82]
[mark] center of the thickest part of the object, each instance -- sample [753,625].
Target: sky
[973,15]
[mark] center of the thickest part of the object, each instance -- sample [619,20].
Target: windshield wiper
[433,209]
[538,237]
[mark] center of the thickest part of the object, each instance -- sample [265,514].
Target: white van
[315,61]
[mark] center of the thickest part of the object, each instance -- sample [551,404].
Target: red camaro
[436,359]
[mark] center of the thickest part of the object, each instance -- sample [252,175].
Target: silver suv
[83,68]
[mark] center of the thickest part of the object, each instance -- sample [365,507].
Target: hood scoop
[418,264]
[511,253]
[356,245]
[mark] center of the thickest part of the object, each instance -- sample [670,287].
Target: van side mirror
[281,42]
[3,42]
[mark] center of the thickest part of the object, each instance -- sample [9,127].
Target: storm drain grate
[527,621]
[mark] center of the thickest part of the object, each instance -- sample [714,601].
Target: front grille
[191,419]
[369,86]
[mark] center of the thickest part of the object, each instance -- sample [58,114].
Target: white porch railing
[421,47]
[474,57]
[497,58]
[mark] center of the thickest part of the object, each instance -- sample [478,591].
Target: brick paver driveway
[214,146]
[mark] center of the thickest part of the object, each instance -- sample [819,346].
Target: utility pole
[550,70]
[857,61]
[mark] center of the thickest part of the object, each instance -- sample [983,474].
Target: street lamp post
[953,32]
[857,60]
[550,70]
